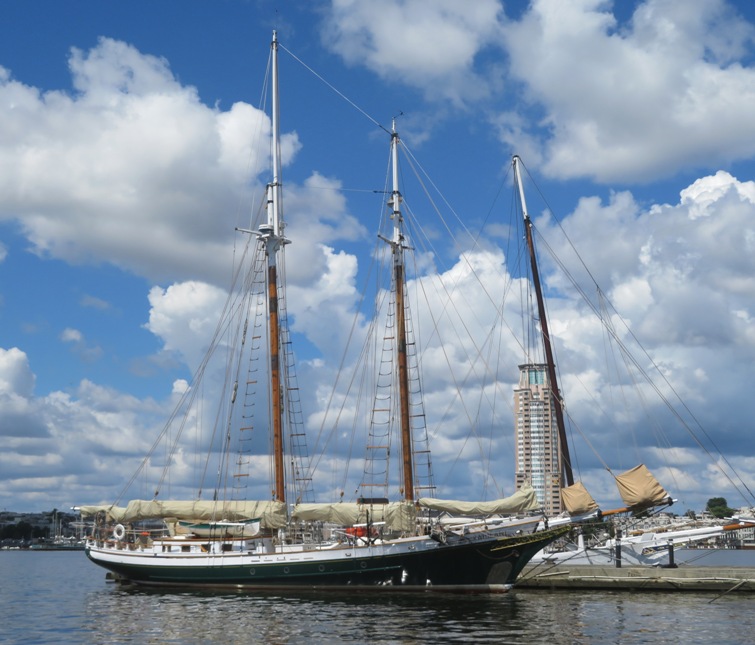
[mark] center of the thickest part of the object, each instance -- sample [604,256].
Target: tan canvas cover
[272,514]
[638,487]
[524,500]
[401,516]
[91,511]
[343,513]
[577,500]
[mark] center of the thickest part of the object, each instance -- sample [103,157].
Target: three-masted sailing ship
[228,542]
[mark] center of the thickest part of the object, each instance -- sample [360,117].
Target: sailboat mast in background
[565,468]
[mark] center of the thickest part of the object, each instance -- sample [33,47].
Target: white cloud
[636,101]
[86,351]
[428,45]
[63,448]
[132,169]
[71,336]
[16,378]
[678,275]
[681,275]
[184,317]
[582,94]
[20,421]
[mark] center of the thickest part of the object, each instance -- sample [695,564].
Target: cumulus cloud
[131,168]
[428,45]
[16,377]
[184,317]
[572,86]
[667,90]
[61,448]
[681,277]
[680,272]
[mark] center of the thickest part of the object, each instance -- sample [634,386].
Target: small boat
[416,542]
[247,528]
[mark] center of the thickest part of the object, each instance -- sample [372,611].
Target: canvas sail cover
[399,516]
[106,509]
[272,515]
[343,513]
[577,501]
[638,487]
[523,501]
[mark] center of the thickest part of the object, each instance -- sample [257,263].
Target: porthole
[286,569]
[321,568]
[252,572]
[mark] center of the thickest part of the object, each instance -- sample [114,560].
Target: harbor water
[60,597]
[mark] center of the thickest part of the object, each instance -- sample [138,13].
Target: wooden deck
[683,578]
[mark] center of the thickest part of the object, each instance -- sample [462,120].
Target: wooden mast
[565,468]
[397,246]
[271,235]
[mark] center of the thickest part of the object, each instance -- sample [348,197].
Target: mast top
[516,161]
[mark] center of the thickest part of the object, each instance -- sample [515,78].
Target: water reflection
[330,617]
[61,598]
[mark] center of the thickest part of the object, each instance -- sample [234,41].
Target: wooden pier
[683,578]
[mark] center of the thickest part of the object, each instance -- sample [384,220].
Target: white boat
[643,548]
[369,542]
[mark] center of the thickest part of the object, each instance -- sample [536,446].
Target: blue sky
[125,139]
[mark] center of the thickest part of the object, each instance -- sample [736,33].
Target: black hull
[486,564]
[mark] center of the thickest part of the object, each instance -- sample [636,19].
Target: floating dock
[683,578]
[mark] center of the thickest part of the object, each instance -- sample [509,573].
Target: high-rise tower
[538,459]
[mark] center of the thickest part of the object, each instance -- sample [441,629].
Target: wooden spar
[403,372]
[403,382]
[272,237]
[565,469]
[275,382]
[615,511]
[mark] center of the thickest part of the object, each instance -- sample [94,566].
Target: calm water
[59,597]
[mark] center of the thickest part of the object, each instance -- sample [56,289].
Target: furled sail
[400,516]
[522,501]
[108,510]
[576,499]
[638,488]
[272,514]
[343,513]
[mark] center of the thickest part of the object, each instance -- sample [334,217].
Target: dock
[595,577]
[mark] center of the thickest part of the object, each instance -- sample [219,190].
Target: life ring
[119,532]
